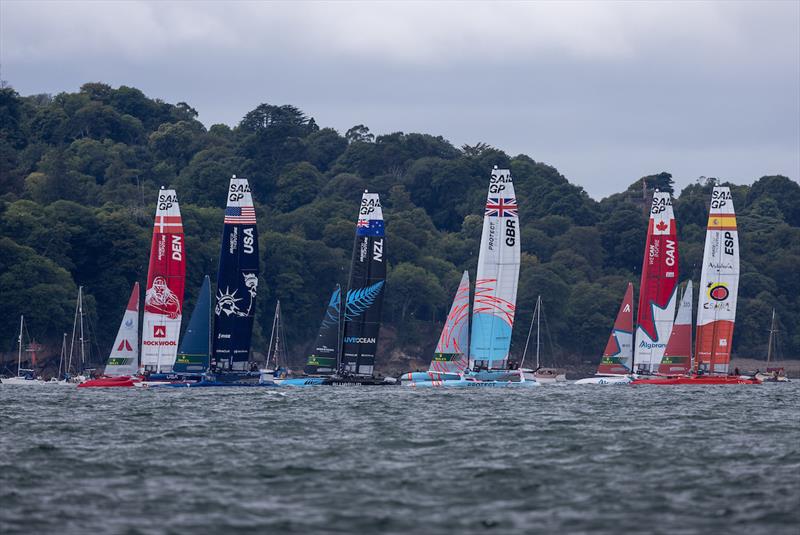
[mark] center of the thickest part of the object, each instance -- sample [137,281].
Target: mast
[83,348]
[63,352]
[771,334]
[528,339]
[538,321]
[277,328]
[19,353]
[272,334]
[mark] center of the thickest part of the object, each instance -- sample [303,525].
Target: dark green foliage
[79,173]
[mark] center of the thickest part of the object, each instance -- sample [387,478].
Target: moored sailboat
[25,376]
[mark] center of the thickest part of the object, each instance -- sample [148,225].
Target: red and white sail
[124,357]
[451,354]
[619,349]
[163,300]
[657,293]
[719,285]
[678,353]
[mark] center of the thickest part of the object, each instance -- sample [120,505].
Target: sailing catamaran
[163,300]
[123,362]
[361,310]
[495,298]
[450,359]
[657,292]
[615,366]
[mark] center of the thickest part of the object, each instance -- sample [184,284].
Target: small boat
[25,376]
[615,366]
[773,374]
[450,359]
[539,374]
[276,354]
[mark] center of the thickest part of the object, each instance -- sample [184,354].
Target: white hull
[23,381]
[618,380]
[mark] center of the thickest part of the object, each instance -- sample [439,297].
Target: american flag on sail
[240,215]
[500,207]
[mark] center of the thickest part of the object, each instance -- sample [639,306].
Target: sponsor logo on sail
[358,340]
[124,345]
[159,331]
[718,291]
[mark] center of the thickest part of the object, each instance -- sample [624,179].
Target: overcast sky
[605,92]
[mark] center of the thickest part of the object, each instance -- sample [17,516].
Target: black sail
[326,349]
[237,280]
[362,309]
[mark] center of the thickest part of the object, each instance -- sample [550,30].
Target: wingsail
[124,357]
[364,302]
[163,300]
[237,281]
[498,275]
[619,349]
[678,353]
[194,352]
[451,355]
[323,361]
[719,285]
[657,292]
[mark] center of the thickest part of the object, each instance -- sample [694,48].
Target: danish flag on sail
[124,356]
[163,300]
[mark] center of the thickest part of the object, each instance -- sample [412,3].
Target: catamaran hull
[429,376]
[214,384]
[700,380]
[467,383]
[338,381]
[110,382]
[605,381]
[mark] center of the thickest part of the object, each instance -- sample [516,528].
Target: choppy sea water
[557,459]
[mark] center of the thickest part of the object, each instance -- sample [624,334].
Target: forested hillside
[79,173]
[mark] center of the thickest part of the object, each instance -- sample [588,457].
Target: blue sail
[194,352]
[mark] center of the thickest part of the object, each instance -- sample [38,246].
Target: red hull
[108,382]
[698,380]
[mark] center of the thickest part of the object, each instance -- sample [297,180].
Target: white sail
[719,285]
[498,275]
[124,357]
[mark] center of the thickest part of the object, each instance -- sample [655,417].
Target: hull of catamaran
[474,383]
[700,380]
[610,380]
[337,381]
[429,376]
[110,382]
[214,384]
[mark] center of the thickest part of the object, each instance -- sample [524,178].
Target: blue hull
[303,381]
[215,384]
[418,377]
[474,384]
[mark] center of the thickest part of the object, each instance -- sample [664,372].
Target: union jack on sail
[500,207]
